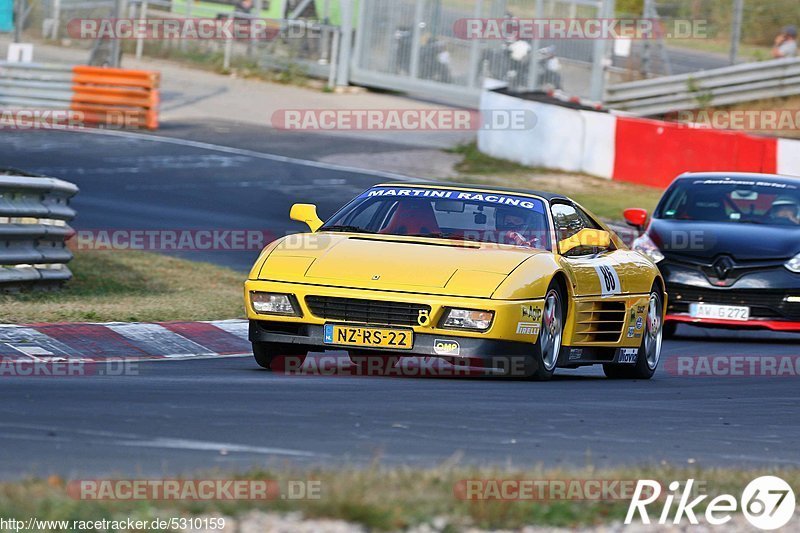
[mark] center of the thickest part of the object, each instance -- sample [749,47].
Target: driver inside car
[785,210]
[512,227]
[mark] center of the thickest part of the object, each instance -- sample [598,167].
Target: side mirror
[306,213]
[635,217]
[590,238]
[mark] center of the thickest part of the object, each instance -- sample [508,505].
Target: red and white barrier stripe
[129,341]
[788,157]
[636,150]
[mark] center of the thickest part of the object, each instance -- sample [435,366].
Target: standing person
[785,43]
[243,7]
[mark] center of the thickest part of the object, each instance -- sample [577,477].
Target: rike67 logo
[767,502]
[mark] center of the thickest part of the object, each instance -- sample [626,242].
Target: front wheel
[650,349]
[273,356]
[551,335]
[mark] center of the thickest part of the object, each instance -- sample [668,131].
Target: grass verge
[132,286]
[606,199]
[396,498]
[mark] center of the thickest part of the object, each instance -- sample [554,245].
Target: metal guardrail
[723,86]
[105,96]
[34,212]
[38,85]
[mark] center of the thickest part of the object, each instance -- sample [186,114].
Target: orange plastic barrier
[116,97]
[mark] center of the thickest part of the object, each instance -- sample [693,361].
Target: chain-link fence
[300,46]
[414,45]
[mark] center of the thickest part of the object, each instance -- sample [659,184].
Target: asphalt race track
[133,184]
[181,417]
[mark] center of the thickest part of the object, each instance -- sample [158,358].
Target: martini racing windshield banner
[509,200]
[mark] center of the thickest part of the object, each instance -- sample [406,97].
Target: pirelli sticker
[528,328]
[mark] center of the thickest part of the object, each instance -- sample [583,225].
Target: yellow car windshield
[478,216]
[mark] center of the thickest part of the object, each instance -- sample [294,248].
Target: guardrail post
[533,68]
[416,38]
[475,49]
[189,6]
[601,51]
[736,33]
[346,43]
[116,51]
[226,60]
[334,58]
[19,19]
[56,19]
[140,39]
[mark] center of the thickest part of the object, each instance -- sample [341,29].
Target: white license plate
[720,312]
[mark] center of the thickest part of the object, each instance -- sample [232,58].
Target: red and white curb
[140,341]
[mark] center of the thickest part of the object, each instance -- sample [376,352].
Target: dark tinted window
[732,201]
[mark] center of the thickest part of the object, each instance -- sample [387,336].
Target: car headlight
[645,246]
[267,303]
[793,264]
[468,319]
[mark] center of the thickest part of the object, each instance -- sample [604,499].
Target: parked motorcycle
[512,61]
[549,68]
[434,58]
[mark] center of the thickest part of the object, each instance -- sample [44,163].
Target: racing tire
[273,356]
[551,336]
[669,329]
[650,350]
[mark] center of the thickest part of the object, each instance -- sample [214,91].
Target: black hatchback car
[728,245]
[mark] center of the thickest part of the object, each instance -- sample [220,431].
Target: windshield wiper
[440,235]
[346,229]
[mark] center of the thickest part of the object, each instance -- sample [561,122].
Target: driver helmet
[510,220]
[786,201]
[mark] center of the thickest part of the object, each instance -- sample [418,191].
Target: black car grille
[366,311]
[762,303]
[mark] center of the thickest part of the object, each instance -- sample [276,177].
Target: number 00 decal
[609,280]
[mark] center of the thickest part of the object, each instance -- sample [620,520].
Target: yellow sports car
[512,282]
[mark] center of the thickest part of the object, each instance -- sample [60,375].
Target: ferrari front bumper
[311,337]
